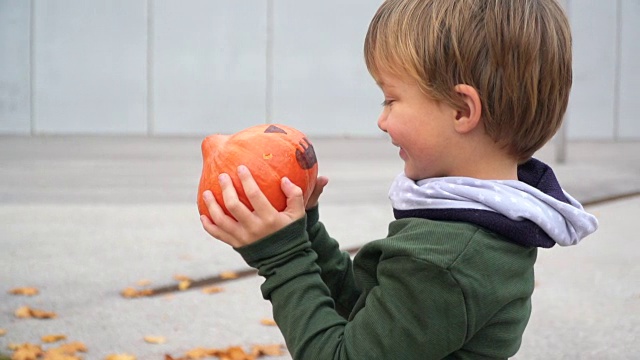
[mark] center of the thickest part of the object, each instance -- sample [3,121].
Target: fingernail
[222,177]
[207,195]
[242,169]
[286,180]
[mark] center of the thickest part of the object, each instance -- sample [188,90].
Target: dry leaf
[53,338]
[237,353]
[227,275]
[72,348]
[25,351]
[268,350]
[232,353]
[268,322]
[3,332]
[180,277]
[26,291]
[25,312]
[155,339]
[58,354]
[41,314]
[199,353]
[131,293]
[212,290]
[120,357]
[184,285]
[143,282]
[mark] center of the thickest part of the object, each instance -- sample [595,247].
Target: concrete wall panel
[15,89]
[628,115]
[591,106]
[321,83]
[90,66]
[209,65]
[163,67]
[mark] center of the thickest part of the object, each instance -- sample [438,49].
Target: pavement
[82,218]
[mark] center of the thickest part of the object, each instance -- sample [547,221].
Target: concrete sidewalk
[81,218]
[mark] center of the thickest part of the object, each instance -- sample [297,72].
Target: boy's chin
[412,174]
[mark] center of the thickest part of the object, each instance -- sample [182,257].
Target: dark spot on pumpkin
[274,129]
[307,156]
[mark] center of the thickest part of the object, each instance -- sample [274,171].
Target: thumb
[321,182]
[295,200]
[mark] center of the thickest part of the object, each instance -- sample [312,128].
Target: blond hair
[515,53]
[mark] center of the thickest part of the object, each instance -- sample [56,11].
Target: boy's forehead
[385,80]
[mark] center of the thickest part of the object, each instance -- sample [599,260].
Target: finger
[231,200]
[218,216]
[295,199]
[256,197]
[321,182]
[215,231]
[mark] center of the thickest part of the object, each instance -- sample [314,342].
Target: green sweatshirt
[429,290]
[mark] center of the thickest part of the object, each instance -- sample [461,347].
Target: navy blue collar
[534,173]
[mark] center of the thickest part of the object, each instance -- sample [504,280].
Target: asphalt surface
[82,218]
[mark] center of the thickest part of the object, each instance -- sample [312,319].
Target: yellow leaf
[227,275]
[25,351]
[23,312]
[131,293]
[143,282]
[120,357]
[184,285]
[198,353]
[180,277]
[237,353]
[212,290]
[268,350]
[268,322]
[41,314]
[53,338]
[57,354]
[26,291]
[155,339]
[72,348]
[3,332]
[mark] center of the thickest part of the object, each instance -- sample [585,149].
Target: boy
[472,89]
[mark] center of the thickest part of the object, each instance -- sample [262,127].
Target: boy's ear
[468,117]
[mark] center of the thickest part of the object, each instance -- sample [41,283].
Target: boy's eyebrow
[383,85]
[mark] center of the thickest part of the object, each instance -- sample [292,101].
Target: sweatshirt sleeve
[336,266]
[416,311]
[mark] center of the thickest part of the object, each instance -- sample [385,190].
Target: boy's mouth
[403,154]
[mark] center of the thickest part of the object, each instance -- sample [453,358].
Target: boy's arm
[336,266]
[415,311]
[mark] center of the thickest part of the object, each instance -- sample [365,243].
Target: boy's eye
[387,102]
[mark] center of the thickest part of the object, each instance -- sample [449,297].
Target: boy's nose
[382,121]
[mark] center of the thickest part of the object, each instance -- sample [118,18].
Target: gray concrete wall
[193,67]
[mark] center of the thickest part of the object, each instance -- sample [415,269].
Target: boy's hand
[321,182]
[249,226]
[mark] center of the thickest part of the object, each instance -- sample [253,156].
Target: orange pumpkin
[271,152]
